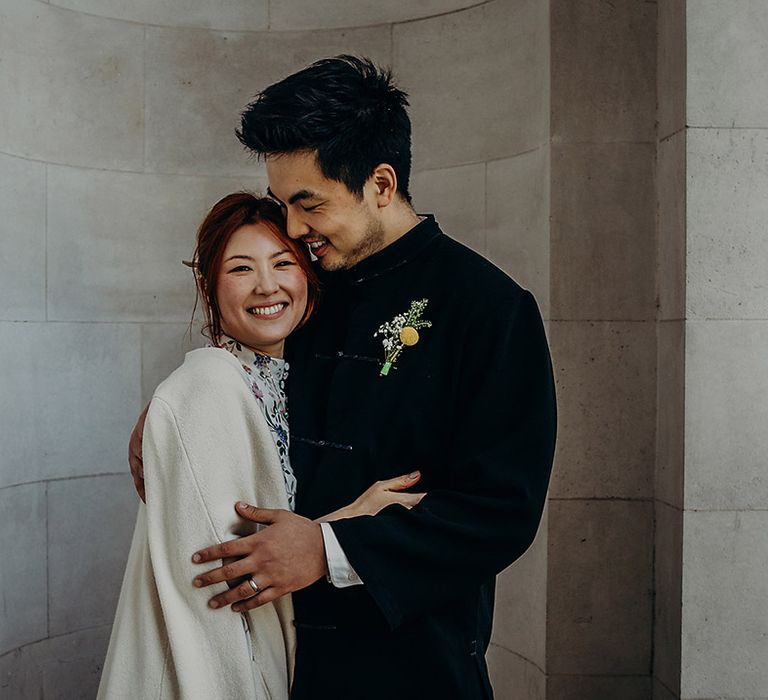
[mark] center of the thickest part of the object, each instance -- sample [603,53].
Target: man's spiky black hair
[346,110]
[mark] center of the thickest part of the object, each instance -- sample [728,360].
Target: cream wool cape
[206,445]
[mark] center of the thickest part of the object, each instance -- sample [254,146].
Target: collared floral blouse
[267,377]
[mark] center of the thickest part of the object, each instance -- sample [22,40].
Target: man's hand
[134,454]
[285,557]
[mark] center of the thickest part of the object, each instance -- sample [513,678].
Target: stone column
[670,294]
[603,251]
[724,626]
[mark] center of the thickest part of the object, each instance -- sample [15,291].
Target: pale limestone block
[603,214]
[478,82]
[163,346]
[72,87]
[456,196]
[670,188]
[517,201]
[70,395]
[323,14]
[603,71]
[245,15]
[22,232]
[599,588]
[670,412]
[66,667]
[726,227]
[576,687]
[725,613]
[199,82]
[116,242]
[90,525]
[520,614]
[513,676]
[668,575]
[727,54]
[670,79]
[726,402]
[23,575]
[606,384]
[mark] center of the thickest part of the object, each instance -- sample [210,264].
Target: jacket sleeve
[208,650]
[492,492]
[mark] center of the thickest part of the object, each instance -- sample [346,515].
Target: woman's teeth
[266,310]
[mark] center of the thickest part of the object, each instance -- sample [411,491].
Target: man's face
[340,229]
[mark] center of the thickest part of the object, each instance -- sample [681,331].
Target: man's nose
[294,225]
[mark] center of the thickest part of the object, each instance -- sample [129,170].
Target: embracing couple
[333,484]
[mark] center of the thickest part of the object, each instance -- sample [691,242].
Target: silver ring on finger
[254,585]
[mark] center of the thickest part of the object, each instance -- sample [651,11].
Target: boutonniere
[401,332]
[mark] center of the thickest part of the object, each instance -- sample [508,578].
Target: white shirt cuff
[340,571]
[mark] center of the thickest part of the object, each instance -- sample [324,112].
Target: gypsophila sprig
[401,332]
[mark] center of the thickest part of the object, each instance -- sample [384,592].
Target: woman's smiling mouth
[272,311]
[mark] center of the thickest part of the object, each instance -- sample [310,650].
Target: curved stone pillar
[116,135]
[478,81]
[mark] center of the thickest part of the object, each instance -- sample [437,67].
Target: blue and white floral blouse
[267,377]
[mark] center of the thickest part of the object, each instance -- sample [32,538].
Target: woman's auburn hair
[227,216]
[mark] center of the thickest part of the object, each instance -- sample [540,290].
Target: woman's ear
[384,181]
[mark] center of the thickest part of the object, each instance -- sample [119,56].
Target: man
[422,356]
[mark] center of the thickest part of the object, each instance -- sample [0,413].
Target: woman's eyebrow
[239,257]
[248,257]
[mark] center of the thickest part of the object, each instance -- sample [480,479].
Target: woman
[217,432]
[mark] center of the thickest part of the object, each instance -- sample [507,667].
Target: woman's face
[261,290]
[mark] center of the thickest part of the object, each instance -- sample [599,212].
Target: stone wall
[670,316]
[724,628]
[116,135]
[603,332]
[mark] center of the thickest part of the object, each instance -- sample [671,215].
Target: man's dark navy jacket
[471,405]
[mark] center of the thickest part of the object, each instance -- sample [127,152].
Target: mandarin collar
[251,358]
[394,255]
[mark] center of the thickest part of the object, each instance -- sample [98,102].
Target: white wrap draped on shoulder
[206,445]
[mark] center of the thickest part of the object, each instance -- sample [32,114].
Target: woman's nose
[266,284]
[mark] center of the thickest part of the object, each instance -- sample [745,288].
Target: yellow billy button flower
[409,336]
[401,332]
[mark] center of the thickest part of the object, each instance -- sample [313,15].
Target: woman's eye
[240,268]
[284,263]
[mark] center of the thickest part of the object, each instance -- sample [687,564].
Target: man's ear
[384,183]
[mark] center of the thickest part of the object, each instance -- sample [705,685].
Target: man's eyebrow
[301,195]
[295,197]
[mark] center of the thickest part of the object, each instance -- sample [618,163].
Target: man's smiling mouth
[316,243]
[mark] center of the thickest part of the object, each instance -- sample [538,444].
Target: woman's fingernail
[197,583]
[413,475]
[213,603]
[242,504]
[236,608]
[196,557]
